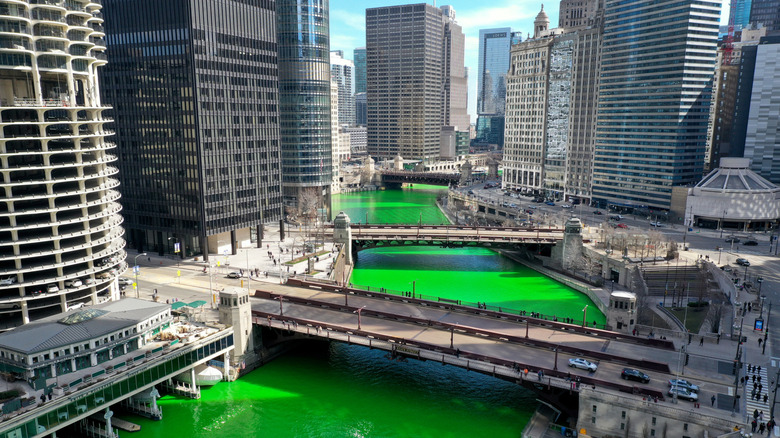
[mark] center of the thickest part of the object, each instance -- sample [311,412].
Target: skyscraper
[742,13]
[304,99]
[766,13]
[493,65]
[342,71]
[359,58]
[415,78]
[573,14]
[762,142]
[197,121]
[60,229]
[653,116]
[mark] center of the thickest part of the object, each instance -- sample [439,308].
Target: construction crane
[728,44]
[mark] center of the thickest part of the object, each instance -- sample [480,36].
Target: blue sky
[348,25]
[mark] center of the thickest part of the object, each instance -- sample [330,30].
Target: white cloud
[354,20]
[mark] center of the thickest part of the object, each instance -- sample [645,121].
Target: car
[732,239]
[597,212]
[726,268]
[533,207]
[550,203]
[565,206]
[73,283]
[682,383]
[88,280]
[36,292]
[742,262]
[529,212]
[76,306]
[750,243]
[124,281]
[12,306]
[538,200]
[7,281]
[683,393]
[578,362]
[632,374]
[103,276]
[657,224]
[621,225]
[50,288]
[616,217]
[471,192]
[234,274]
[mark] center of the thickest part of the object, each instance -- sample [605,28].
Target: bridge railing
[518,371]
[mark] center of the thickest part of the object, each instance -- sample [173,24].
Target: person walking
[762,428]
[712,399]
[753,425]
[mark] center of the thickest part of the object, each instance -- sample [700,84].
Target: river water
[348,391]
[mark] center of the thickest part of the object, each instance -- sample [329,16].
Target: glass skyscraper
[360,69]
[304,99]
[654,98]
[493,65]
[196,118]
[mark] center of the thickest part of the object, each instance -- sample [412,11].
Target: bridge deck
[503,340]
[456,233]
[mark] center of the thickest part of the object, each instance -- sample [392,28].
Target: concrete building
[762,140]
[304,100]
[61,235]
[359,58]
[766,13]
[493,65]
[357,140]
[342,71]
[732,197]
[197,122]
[731,99]
[415,80]
[651,133]
[573,14]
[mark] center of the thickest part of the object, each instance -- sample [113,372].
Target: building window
[622,426]
[623,414]
[685,427]
[652,432]
[653,421]
[593,420]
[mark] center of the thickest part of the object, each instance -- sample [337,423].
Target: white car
[76,306]
[683,393]
[578,362]
[52,288]
[657,224]
[234,274]
[73,283]
[13,306]
[124,281]
[7,281]
[565,206]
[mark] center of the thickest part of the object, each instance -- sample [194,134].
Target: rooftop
[734,175]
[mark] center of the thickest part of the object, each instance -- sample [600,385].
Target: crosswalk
[756,402]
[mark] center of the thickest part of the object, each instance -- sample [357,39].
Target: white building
[61,239]
[342,71]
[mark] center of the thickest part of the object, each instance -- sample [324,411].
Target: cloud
[509,14]
[354,20]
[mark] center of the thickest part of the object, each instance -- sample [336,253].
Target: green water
[347,391]
[406,206]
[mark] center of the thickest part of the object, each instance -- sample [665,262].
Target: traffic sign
[178,273]
[136,269]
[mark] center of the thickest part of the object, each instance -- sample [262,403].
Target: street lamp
[584,314]
[135,270]
[744,279]
[177,250]
[359,311]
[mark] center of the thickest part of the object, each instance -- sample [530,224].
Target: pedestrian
[759,342]
[701,341]
[761,428]
[759,369]
[754,380]
[718,338]
[760,416]
[765,397]
[753,425]
[712,399]
[760,388]
[758,379]
[755,413]
[753,394]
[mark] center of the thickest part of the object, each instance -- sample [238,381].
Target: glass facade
[197,119]
[493,65]
[767,13]
[342,72]
[359,58]
[304,95]
[657,66]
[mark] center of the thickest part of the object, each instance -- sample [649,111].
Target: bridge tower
[398,162]
[342,233]
[465,173]
[621,315]
[567,253]
[235,310]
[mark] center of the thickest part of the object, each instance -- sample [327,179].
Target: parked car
[565,206]
[632,374]
[234,274]
[538,200]
[103,276]
[7,281]
[742,262]
[578,362]
[682,383]
[529,211]
[750,243]
[50,288]
[616,217]
[550,203]
[726,268]
[88,280]
[732,239]
[76,306]
[597,212]
[683,393]
[12,306]
[73,283]
[533,207]
[124,281]
[621,225]
[657,224]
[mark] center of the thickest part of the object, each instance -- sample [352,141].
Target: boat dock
[117,422]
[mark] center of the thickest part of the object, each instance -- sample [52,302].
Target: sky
[348,25]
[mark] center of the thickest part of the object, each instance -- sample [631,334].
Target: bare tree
[308,202]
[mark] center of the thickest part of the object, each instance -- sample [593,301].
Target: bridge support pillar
[567,254]
[342,233]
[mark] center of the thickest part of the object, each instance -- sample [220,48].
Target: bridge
[451,235]
[493,342]
[433,178]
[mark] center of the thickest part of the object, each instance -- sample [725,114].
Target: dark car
[632,374]
[742,262]
[550,203]
[750,243]
[598,212]
[732,239]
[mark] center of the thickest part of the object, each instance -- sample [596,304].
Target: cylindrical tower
[304,100]
[60,230]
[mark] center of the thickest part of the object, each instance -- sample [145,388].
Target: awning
[178,305]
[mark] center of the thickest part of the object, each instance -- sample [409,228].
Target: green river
[348,391]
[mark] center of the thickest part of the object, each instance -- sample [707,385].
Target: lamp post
[177,251]
[135,270]
[584,314]
[281,309]
[744,279]
[359,311]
